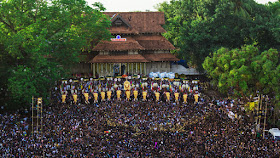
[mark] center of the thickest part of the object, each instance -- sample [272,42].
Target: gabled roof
[145,27]
[131,58]
[123,30]
[140,22]
[129,44]
[156,45]
[151,42]
[156,42]
[118,17]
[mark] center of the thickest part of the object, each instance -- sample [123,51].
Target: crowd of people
[135,127]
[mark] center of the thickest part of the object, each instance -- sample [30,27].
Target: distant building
[137,47]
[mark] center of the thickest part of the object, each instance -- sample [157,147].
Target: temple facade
[138,46]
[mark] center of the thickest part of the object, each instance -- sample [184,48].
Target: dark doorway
[116,69]
[123,70]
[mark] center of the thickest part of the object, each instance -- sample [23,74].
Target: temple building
[138,46]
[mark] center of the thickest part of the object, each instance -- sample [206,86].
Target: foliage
[275,8]
[246,71]
[199,27]
[40,40]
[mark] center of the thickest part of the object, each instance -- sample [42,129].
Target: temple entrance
[116,69]
[123,69]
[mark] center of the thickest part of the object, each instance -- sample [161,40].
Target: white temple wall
[158,66]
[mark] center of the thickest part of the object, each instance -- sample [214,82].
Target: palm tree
[242,8]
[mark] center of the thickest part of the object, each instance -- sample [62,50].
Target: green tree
[40,40]
[199,27]
[175,14]
[246,71]
[275,8]
[275,20]
[241,8]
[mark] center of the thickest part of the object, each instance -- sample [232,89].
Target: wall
[158,67]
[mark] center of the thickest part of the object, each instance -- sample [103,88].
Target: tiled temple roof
[139,22]
[142,31]
[131,58]
[129,44]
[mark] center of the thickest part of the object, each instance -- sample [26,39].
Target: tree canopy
[200,27]
[40,39]
[245,71]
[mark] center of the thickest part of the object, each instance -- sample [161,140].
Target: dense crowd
[136,128]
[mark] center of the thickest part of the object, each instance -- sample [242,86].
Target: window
[118,22]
